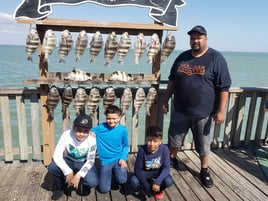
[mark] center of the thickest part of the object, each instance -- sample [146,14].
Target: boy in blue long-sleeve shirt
[112,148]
[152,166]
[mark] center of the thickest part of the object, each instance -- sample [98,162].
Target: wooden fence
[21,129]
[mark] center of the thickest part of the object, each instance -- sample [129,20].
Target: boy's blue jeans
[106,171]
[90,180]
[149,175]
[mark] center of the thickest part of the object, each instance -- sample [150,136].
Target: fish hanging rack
[47,78]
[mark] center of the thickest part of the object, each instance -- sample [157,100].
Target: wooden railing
[21,130]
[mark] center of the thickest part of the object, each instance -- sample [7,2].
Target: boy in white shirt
[74,158]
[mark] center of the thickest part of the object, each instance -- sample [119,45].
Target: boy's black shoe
[174,163]
[56,195]
[205,178]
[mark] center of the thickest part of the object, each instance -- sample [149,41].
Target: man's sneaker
[56,195]
[174,163]
[159,195]
[205,178]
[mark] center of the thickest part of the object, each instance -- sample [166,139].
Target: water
[247,70]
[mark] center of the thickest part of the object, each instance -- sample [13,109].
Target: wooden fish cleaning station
[234,166]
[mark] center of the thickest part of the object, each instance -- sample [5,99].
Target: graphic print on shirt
[79,154]
[153,164]
[188,70]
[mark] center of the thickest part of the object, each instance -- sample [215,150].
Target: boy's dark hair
[154,131]
[112,109]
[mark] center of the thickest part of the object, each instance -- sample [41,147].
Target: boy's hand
[69,178]
[155,188]
[122,163]
[75,181]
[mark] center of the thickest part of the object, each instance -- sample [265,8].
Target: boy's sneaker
[159,195]
[174,163]
[56,195]
[205,178]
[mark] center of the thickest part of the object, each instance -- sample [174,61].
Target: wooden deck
[236,173]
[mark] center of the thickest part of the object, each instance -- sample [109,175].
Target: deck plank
[236,175]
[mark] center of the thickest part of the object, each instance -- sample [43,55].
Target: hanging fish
[32,43]
[81,44]
[168,46]
[123,47]
[93,100]
[139,99]
[111,46]
[66,44]
[80,100]
[49,43]
[154,47]
[125,100]
[53,98]
[139,47]
[78,75]
[66,99]
[150,99]
[96,45]
[109,97]
[120,76]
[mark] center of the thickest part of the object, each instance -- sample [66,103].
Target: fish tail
[62,60]
[29,58]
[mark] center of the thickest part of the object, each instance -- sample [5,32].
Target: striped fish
[109,97]
[66,44]
[125,100]
[81,44]
[66,99]
[111,46]
[150,99]
[123,47]
[154,47]
[49,43]
[96,45]
[139,99]
[168,46]
[53,98]
[93,100]
[139,47]
[32,43]
[78,75]
[80,100]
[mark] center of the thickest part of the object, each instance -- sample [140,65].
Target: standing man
[199,80]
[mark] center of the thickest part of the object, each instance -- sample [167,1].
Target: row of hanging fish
[111,46]
[92,100]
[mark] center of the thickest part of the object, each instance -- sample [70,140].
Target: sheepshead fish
[120,76]
[93,100]
[154,47]
[109,97]
[125,100]
[139,47]
[111,46]
[32,43]
[150,99]
[168,46]
[66,44]
[49,43]
[139,99]
[80,100]
[123,47]
[53,98]
[78,75]
[96,45]
[66,99]
[81,44]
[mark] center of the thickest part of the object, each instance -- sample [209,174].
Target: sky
[232,25]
